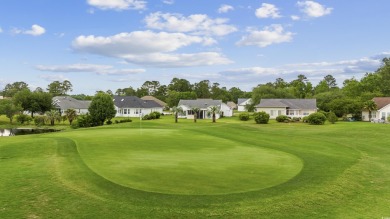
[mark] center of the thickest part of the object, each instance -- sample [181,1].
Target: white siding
[241,107]
[273,112]
[135,112]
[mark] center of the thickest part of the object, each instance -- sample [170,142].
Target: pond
[24,131]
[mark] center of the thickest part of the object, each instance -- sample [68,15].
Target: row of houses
[131,106]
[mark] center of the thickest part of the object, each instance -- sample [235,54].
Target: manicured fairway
[230,169]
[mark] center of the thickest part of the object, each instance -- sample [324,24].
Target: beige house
[382,112]
[289,107]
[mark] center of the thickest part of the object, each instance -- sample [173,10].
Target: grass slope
[346,174]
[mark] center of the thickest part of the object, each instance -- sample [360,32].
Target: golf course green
[228,169]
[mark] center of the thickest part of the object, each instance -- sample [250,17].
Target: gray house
[132,106]
[203,105]
[288,107]
[62,103]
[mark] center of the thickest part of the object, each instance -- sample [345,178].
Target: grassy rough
[346,174]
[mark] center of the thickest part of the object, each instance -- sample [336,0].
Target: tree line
[349,98]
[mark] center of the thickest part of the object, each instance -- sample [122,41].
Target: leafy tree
[301,87]
[33,101]
[174,97]
[57,88]
[213,110]
[71,115]
[236,93]
[202,89]
[102,108]
[370,105]
[280,83]
[261,117]
[244,116]
[176,111]
[9,109]
[180,85]
[11,89]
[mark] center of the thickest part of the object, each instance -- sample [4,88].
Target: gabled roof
[381,102]
[200,103]
[288,103]
[66,102]
[242,100]
[134,102]
[162,103]
[231,104]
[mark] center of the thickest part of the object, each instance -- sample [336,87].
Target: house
[289,107]
[382,112]
[162,103]
[62,103]
[204,106]
[131,106]
[241,104]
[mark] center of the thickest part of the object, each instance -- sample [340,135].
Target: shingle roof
[241,100]
[381,101]
[231,104]
[289,103]
[134,102]
[66,102]
[162,103]
[200,103]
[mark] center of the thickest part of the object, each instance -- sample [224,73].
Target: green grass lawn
[228,169]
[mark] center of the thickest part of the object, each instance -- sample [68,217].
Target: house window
[383,115]
[190,112]
[279,112]
[125,111]
[272,113]
[136,111]
[373,114]
[305,113]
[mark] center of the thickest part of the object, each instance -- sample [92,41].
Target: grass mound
[184,162]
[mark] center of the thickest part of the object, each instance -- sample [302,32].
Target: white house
[382,112]
[241,104]
[289,107]
[131,106]
[62,103]
[204,106]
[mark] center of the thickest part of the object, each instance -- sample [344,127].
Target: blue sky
[111,44]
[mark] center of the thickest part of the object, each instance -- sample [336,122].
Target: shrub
[305,119]
[146,117]
[84,121]
[157,114]
[296,119]
[244,116]
[109,122]
[282,118]
[316,119]
[22,118]
[332,118]
[39,120]
[261,117]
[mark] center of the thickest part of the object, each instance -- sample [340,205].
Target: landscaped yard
[162,169]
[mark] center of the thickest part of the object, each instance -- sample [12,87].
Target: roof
[134,102]
[200,103]
[231,104]
[289,103]
[162,103]
[242,100]
[381,101]
[66,102]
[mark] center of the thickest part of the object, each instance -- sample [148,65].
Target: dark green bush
[305,119]
[84,121]
[244,116]
[296,119]
[156,114]
[332,118]
[282,118]
[316,119]
[261,117]
[109,122]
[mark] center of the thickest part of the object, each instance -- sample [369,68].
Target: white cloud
[169,2]
[90,68]
[118,4]
[1,30]
[225,9]
[295,17]
[35,30]
[150,48]
[51,78]
[195,24]
[267,11]
[273,34]
[314,9]
[179,60]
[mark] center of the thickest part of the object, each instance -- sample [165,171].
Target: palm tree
[370,105]
[196,111]
[71,114]
[213,110]
[176,111]
[52,115]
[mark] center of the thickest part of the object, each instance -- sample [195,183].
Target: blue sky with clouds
[110,44]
